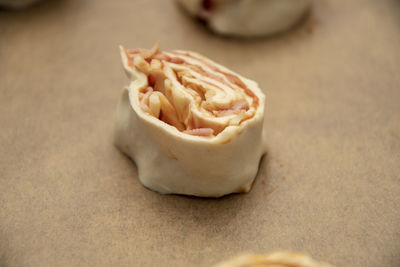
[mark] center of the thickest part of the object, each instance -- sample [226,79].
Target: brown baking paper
[329,185]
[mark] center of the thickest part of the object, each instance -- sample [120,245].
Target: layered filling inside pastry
[190,92]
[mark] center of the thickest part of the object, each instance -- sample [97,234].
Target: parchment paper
[329,185]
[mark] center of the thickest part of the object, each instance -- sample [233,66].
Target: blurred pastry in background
[247,18]
[276,259]
[17,4]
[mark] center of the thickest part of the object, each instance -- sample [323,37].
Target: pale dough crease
[192,126]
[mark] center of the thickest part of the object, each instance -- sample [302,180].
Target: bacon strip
[240,105]
[200,132]
[232,78]
[236,108]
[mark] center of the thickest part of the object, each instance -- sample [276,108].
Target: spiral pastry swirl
[191,93]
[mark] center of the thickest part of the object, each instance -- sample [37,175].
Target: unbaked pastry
[191,125]
[276,259]
[247,18]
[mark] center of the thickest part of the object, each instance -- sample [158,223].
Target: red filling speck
[207,5]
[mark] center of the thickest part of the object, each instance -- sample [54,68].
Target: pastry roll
[192,126]
[276,259]
[247,18]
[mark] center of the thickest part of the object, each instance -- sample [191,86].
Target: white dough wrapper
[247,18]
[192,126]
[276,259]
